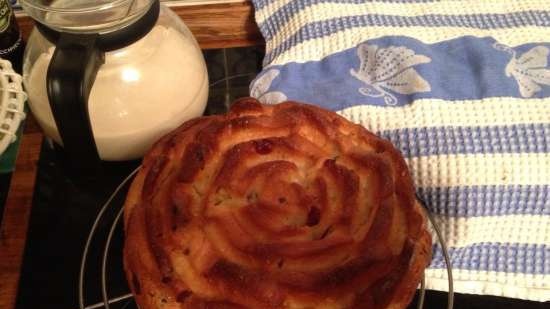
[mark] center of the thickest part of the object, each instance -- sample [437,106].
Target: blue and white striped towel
[462,88]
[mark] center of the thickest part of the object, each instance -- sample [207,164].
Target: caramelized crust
[284,206]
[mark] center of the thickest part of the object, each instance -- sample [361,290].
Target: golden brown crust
[284,206]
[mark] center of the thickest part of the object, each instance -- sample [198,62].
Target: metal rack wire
[127,298]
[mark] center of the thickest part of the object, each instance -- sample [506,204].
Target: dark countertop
[64,208]
[62,214]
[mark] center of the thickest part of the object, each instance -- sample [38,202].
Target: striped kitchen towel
[462,88]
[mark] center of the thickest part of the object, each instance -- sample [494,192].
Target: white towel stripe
[325,11]
[438,113]
[413,9]
[480,169]
[524,229]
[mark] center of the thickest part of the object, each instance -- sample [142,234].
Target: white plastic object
[12,104]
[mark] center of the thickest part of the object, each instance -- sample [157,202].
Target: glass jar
[131,69]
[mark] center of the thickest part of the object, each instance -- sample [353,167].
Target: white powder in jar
[140,93]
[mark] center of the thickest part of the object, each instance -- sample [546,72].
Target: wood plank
[13,229]
[31,126]
[218,25]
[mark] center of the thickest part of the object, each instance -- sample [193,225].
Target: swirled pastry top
[285,206]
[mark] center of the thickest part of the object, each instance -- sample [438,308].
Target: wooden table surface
[220,25]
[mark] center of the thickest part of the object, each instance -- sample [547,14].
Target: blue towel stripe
[326,27]
[486,201]
[499,257]
[479,21]
[484,21]
[519,138]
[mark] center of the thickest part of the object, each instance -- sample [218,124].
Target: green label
[5,15]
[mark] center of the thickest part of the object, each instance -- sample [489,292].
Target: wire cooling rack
[108,226]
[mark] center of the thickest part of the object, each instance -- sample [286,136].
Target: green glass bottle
[11,43]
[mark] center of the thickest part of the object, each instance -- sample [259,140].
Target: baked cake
[274,206]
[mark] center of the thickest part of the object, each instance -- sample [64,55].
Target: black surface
[62,214]
[438,300]
[64,209]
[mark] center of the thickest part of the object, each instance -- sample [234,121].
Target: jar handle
[71,74]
